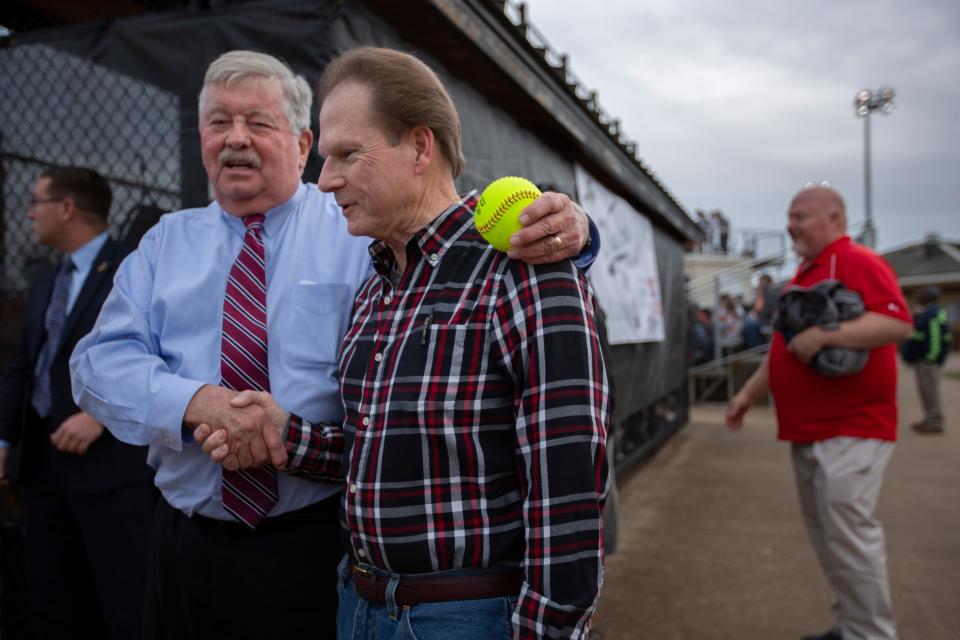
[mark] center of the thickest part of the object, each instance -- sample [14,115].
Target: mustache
[240,156]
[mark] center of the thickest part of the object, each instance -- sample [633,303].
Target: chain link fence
[58,109]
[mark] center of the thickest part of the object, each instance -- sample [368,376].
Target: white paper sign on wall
[625,276]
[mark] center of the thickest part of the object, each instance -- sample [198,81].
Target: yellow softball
[498,210]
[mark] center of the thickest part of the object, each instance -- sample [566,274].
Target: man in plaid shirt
[474,389]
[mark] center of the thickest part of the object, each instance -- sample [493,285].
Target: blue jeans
[359,619]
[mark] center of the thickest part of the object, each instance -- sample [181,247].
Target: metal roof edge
[949,249]
[916,243]
[928,279]
[487,26]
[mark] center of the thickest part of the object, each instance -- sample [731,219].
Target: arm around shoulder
[554,228]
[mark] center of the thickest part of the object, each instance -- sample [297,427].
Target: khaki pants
[928,383]
[838,482]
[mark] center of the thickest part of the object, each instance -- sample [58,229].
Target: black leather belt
[414,589]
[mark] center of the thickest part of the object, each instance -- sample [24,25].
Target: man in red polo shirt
[842,430]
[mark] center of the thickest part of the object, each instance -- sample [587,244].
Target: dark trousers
[209,580]
[86,559]
[928,382]
[752,334]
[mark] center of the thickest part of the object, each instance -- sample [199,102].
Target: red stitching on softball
[501,210]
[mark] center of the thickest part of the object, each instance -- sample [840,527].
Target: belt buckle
[360,572]
[366,584]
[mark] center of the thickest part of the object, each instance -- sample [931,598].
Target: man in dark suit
[88,498]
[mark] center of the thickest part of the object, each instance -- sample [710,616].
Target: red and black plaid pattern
[476,412]
[315,450]
[247,494]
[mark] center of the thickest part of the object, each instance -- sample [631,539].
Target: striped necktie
[42,398]
[248,494]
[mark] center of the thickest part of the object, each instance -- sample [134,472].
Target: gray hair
[234,67]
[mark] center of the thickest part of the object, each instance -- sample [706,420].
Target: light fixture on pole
[867,102]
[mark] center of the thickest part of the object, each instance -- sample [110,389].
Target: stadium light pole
[866,102]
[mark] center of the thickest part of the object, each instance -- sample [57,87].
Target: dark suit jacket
[108,462]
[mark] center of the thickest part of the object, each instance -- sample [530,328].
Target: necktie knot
[69,266]
[254,222]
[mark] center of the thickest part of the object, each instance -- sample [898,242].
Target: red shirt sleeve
[875,280]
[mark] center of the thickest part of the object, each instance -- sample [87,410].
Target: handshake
[238,430]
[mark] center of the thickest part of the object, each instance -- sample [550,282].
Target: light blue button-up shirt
[83,261]
[157,340]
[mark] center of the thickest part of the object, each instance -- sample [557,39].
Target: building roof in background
[931,259]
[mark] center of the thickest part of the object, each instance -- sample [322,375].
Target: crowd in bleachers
[735,324]
[716,232]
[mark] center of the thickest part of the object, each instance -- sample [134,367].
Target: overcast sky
[736,104]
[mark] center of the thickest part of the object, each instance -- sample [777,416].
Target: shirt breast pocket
[444,353]
[312,320]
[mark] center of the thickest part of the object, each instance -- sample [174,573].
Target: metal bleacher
[706,379]
[722,375]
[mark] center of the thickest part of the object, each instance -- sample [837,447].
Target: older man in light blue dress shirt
[150,369]
[169,294]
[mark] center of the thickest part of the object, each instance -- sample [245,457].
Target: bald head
[823,198]
[817,217]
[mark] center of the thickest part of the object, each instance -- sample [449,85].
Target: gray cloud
[735,105]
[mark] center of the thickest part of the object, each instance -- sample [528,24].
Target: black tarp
[169,52]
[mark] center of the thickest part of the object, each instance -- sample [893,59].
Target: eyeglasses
[822,184]
[34,202]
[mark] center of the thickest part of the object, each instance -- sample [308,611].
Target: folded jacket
[827,304]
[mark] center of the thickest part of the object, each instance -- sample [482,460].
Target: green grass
[953,374]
